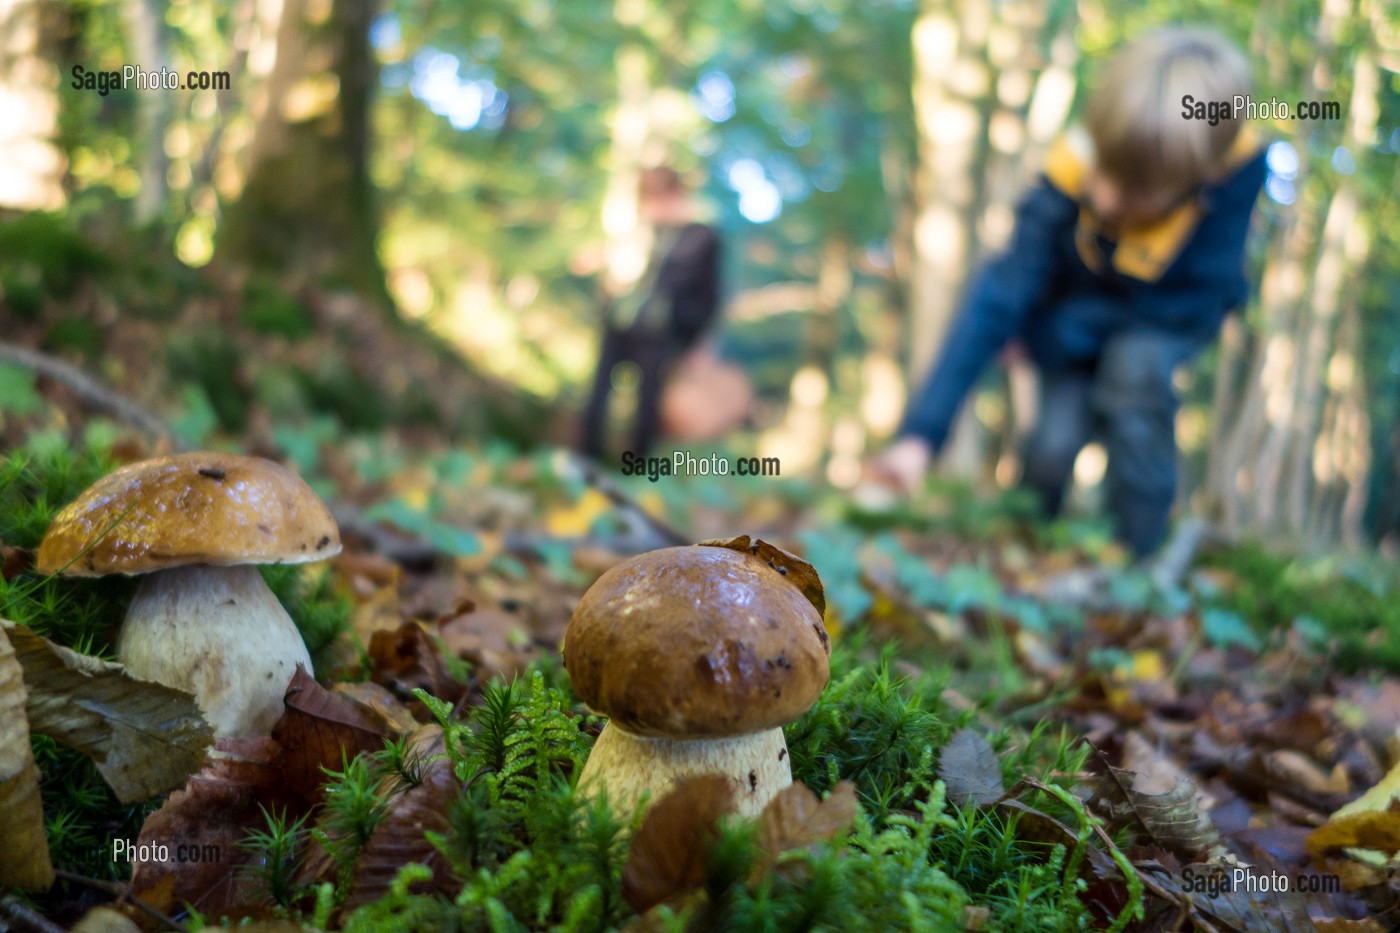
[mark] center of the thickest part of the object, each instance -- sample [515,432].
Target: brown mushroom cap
[696,642]
[192,508]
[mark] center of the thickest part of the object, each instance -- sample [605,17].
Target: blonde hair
[1135,116]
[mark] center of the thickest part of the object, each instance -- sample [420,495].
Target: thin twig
[19,916]
[592,474]
[87,388]
[122,892]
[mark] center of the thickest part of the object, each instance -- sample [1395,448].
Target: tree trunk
[306,210]
[31,166]
[951,89]
[145,21]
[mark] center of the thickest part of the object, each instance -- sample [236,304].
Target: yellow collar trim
[1145,253]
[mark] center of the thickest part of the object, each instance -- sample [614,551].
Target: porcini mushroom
[202,620]
[699,656]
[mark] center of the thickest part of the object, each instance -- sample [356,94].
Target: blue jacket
[1064,288]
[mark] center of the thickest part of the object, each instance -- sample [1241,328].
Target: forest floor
[1021,732]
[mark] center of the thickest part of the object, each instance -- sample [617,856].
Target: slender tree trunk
[951,89]
[31,166]
[306,210]
[145,21]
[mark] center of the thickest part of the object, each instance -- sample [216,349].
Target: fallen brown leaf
[406,659]
[144,737]
[799,573]
[321,730]
[208,820]
[669,852]
[492,639]
[796,818]
[398,838]
[24,858]
[1173,820]
[106,920]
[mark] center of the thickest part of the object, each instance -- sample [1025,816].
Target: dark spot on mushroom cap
[325,539]
[211,472]
[264,529]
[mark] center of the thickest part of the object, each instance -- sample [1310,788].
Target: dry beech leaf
[970,769]
[24,857]
[320,730]
[379,702]
[406,658]
[14,561]
[799,573]
[145,738]
[106,920]
[1339,925]
[797,818]
[1172,820]
[398,838]
[217,809]
[669,851]
[492,639]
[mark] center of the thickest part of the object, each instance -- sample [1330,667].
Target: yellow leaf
[652,504]
[1147,665]
[24,857]
[1377,799]
[576,520]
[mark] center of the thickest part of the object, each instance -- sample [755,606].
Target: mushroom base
[219,633]
[626,766]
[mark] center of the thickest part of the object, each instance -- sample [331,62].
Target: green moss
[873,728]
[270,310]
[310,598]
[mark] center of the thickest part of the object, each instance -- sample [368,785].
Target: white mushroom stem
[626,766]
[219,633]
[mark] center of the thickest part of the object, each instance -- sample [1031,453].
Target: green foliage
[44,255]
[1272,592]
[213,363]
[309,595]
[353,807]
[278,853]
[873,728]
[269,310]
[81,815]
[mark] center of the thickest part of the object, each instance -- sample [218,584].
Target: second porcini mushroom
[202,620]
[699,656]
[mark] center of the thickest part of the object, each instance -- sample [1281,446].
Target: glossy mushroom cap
[193,508]
[691,642]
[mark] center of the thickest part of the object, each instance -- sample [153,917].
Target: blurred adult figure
[663,315]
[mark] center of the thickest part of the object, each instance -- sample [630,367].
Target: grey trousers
[1126,399]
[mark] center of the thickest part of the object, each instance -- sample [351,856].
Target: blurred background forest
[382,188]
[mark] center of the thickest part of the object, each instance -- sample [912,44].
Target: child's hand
[902,465]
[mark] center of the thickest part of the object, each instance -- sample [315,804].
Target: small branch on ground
[122,893]
[87,389]
[20,917]
[667,535]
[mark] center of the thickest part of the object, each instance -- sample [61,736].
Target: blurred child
[1126,256]
[664,314]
